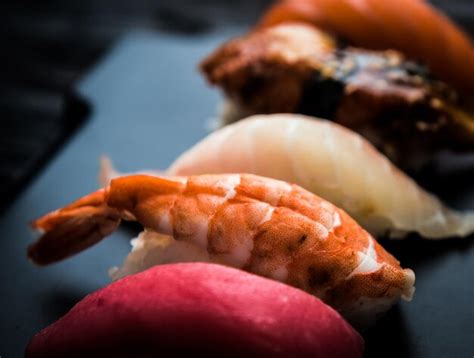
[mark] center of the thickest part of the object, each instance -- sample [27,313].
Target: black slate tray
[150,104]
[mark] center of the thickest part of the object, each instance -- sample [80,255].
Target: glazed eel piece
[296,68]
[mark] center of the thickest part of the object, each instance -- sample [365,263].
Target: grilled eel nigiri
[395,103]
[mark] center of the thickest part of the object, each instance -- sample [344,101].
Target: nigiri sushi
[414,27]
[295,68]
[332,162]
[201,310]
[261,225]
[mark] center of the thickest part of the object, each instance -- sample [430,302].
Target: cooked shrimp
[415,28]
[332,162]
[261,225]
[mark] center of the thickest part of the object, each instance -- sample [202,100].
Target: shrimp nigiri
[393,102]
[332,162]
[413,27]
[257,224]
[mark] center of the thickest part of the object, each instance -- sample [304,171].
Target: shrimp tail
[74,228]
[107,171]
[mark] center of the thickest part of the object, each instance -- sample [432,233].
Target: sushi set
[263,238]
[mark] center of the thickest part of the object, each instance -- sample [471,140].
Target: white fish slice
[330,161]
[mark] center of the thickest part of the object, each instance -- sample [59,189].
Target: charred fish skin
[393,102]
[347,70]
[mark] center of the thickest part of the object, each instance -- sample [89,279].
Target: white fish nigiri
[332,162]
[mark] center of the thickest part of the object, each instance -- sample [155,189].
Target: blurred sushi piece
[201,310]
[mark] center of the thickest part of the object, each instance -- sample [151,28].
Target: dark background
[78,79]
